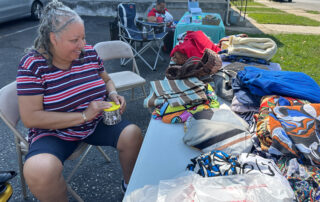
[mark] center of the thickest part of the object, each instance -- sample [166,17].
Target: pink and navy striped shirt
[63,90]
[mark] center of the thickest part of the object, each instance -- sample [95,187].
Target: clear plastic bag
[192,187]
[249,188]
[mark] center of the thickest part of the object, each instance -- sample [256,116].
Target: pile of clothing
[271,126]
[241,48]
[177,100]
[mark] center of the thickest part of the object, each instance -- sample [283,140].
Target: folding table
[215,32]
[163,154]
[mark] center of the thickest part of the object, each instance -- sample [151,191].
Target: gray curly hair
[55,18]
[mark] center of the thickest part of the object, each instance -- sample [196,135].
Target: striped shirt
[63,90]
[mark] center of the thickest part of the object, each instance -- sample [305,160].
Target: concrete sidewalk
[251,26]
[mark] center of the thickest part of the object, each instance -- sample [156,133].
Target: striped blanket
[176,92]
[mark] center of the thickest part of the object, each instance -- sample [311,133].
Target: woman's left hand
[118,99]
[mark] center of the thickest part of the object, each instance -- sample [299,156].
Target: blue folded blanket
[292,84]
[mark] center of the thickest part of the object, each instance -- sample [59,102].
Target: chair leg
[104,154]
[132,93]
[122,60]
[70,190]
[142,50]
[158,46]
[139,54]
[82,158]
[74,194]
[23,181]
[20,162]
[144,91]
[78,164]
[135,98]
[155,63]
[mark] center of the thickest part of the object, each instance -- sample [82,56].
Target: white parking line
[19,31]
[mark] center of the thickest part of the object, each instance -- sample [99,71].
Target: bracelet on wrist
[112,92]
[84,117]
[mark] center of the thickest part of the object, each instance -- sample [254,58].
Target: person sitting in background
[160,14]
[62,87]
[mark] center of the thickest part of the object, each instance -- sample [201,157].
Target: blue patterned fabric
[215,163]
[304,179]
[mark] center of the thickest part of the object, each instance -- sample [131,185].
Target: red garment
[155,13]
[194,44]
[161,17]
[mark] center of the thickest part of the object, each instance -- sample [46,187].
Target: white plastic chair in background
[123,80]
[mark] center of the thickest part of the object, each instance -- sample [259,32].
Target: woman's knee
[130,137]
[42,169]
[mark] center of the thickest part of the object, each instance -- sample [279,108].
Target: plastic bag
[249,188]
[147,193]
[192,187]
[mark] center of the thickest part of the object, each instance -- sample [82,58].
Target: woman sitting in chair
[160,14]
[62,87]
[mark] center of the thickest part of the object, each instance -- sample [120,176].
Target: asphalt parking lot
[95,180]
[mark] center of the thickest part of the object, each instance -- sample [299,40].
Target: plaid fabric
[176,92]
[214,163]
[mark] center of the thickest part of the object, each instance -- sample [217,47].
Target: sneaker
[123,187]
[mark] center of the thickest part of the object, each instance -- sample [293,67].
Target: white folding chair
[123,80]
[9,113]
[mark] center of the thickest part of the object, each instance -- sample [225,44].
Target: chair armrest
[149,31]
[152,24]
[131,33]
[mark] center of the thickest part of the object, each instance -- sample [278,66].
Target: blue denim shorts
[104,135]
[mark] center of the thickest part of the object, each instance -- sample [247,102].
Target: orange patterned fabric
[295,130]
[266,106]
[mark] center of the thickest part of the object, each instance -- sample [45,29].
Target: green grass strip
[296,52]
[283,19]
[299,53]
[313,12]
[250,3]
[261,9]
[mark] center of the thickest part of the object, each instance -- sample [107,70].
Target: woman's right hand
[95,108]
